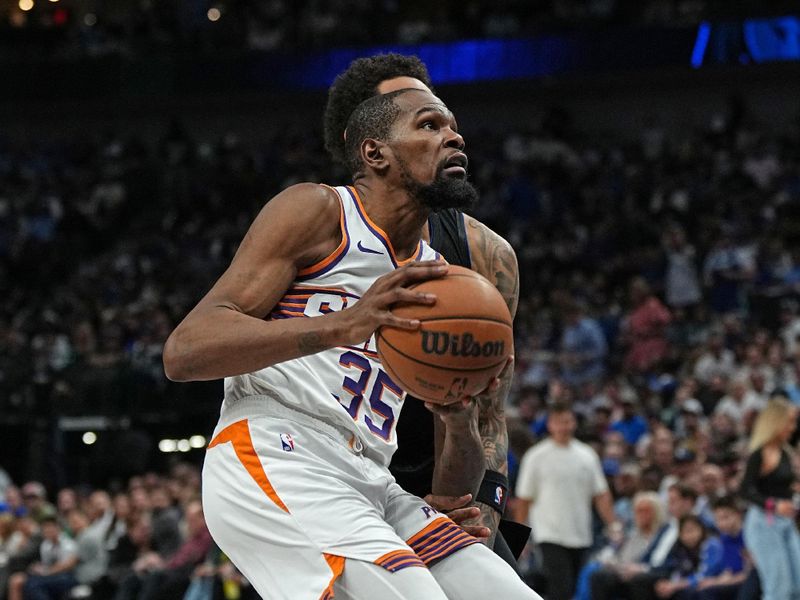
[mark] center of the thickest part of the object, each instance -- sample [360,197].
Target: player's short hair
[356,84]
[372,119]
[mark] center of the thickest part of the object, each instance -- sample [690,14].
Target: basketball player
[463,241]
[295,483]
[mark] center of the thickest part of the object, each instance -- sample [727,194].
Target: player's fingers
[400,294]
[420,272]
[477,531]
[463,514]
[495,383]
[391,320]
[446,503]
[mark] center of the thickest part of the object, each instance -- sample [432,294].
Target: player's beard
[443,192]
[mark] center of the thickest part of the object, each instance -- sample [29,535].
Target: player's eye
[429,125]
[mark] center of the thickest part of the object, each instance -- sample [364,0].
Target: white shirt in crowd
[737,410]
[710,365]
[52,553]
[561,482]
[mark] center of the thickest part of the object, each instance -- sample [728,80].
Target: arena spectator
[154,578]
[645,329]
[637,579]
[626,547]
[560,480]
[583,346]
[681,282]
[630,424]
[682,568]
[716,361]
[741,403]
[770,530]
[725,270]
[53,575]
[34,497]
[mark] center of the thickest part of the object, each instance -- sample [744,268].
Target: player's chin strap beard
[443,192]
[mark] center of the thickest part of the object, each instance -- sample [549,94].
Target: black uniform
[412,463]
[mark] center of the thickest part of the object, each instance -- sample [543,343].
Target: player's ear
[374,154]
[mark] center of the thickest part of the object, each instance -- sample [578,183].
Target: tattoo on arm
[493,257]
[494,437]
[311,343]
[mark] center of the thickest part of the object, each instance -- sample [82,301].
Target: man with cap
[34,497]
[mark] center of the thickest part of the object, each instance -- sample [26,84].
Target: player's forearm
[459,467]
[494,439]
[221,342]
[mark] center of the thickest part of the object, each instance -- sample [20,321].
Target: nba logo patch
[498,496]
[287,443]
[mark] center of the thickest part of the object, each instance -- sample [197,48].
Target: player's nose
[454,140]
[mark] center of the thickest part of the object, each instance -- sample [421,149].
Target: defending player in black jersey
[427,461]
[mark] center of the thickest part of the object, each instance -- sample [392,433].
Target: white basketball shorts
[289,498]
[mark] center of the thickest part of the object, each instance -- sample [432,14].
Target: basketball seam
[403,354]
[459,317]
[394,375]
[472,275]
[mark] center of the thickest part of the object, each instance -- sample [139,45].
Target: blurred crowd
[146,540]
[659,272]
[71,28]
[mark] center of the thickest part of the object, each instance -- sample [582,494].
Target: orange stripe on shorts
[336,563]
[238,434]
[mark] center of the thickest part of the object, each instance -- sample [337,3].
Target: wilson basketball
[463,342]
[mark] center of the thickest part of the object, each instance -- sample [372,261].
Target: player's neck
[400,217]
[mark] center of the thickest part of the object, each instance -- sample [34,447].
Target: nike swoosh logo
[368,250]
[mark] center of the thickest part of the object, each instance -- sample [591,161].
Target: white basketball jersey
[346,385]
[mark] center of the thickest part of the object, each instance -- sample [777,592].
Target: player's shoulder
[307,195]
[310,206]
[302,220]
[483,236]
[494,258]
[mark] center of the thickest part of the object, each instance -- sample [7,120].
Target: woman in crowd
[626,549]
[769,482]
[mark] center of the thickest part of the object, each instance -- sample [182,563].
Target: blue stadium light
[453,62]
[700,44]
[772,40]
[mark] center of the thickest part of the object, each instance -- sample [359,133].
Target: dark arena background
[642,158]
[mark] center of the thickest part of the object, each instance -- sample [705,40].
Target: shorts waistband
[267,406]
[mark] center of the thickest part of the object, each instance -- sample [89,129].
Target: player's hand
[373,310]
[456,507]
[462,413]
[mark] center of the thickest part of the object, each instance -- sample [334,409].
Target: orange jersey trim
[319,266]
[238,434]
[414,256]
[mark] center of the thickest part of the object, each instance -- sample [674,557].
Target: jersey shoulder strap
[449,236]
